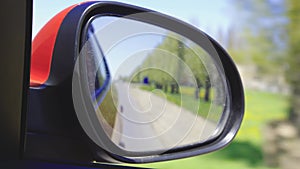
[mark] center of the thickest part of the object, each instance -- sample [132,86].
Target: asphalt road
[148,122]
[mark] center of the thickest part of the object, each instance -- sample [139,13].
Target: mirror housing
[56,132]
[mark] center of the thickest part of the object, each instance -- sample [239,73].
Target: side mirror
[121,83]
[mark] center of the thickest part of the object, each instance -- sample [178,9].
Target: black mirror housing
[54,130]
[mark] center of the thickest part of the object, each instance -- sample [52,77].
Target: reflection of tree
[171,55]
[198,69]
[207,90]
[180,55]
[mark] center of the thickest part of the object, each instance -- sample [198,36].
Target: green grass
[186,100]
[108,108]
[245,152]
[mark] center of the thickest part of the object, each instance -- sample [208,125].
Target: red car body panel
[42,49]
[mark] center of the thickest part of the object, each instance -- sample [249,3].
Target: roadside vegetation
[108,108]
[263,40]
[185,98]
[245,152]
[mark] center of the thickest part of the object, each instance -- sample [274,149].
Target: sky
[125,50]
[209,16]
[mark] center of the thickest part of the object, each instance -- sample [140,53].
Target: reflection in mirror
[153,89]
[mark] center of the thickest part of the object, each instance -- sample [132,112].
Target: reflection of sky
[207,15]
[130,48]
[129,52]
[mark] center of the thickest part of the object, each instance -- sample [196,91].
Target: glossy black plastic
[52,121]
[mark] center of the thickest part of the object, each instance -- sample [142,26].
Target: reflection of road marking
[175,125]
[121,144]
[127,133]
[121,109]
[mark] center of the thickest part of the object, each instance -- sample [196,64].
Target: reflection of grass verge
[186,100]
[108,108]
[147,87]
[246,150]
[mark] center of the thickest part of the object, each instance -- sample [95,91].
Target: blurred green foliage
[245,151]
[258,37]
[293,71]
[265,35]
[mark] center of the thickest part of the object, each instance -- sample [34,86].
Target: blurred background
[263,38]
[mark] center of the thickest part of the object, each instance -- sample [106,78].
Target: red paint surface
[42,49]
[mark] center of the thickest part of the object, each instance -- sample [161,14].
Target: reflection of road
[134,135]
[149,122]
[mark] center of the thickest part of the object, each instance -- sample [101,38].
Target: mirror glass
[152,89]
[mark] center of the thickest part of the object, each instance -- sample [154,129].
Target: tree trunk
[207,89]
[207,93]
[293,71]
